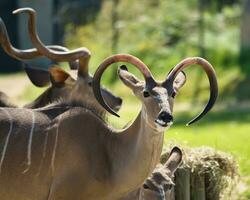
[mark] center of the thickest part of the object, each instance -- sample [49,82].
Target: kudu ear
[174,159]
[179,81]
[58,76]
[39,77]
[127,78]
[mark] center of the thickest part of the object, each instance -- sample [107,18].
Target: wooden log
[212,188]
[198,187]
[182,184]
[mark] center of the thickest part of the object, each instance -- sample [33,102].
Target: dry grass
[219,169]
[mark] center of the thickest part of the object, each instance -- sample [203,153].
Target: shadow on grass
[236,116]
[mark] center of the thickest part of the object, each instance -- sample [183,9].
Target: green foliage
[161,33]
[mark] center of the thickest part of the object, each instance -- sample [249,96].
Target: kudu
[89,159]
[63,86]
[159,185]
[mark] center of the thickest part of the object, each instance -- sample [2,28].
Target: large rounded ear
[127,78]
[58,76]
[174,159]
[179,81]
[39,77]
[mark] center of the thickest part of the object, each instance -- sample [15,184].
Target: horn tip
[115,114]
[21,10]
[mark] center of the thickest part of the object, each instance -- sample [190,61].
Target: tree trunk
[201,46]
[245,39]
[115,35]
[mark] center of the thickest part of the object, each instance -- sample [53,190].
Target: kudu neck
[143,148]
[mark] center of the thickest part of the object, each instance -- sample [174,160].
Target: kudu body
[89,159]
[63,86]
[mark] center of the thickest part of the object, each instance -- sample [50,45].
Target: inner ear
[174,159]
[179,81]
[58,76]
[39,77]
[128,78]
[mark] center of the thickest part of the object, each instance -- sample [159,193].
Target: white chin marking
[160,125]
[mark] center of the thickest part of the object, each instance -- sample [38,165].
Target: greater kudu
[89,159]
[63,86]
[159,185]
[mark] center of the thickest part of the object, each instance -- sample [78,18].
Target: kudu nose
[165,117]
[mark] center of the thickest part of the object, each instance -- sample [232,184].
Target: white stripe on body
[55,146]
[44,152]
[7,138]
[30,143]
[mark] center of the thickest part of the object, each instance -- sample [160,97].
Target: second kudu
[68,152]
[63,86]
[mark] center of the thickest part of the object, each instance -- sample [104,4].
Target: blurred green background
[162,33]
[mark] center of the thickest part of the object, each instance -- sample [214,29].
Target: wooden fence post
[182,184]
[198,187]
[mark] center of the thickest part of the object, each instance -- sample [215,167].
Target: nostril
[166,117]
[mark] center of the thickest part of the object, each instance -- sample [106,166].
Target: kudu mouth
[150,81]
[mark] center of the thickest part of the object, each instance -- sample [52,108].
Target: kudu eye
[146,94]
[173,94]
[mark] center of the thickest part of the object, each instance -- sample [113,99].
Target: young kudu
[89,159]
[63,86]
[159,185]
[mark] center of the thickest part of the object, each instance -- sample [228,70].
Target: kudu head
[62,84]
[159,185]
[157,97]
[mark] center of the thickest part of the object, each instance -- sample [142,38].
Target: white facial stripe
[30,142]
[55,146]
[7,138]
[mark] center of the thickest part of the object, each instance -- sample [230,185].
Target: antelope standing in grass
[159,185]
[63,86]
[87,158]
